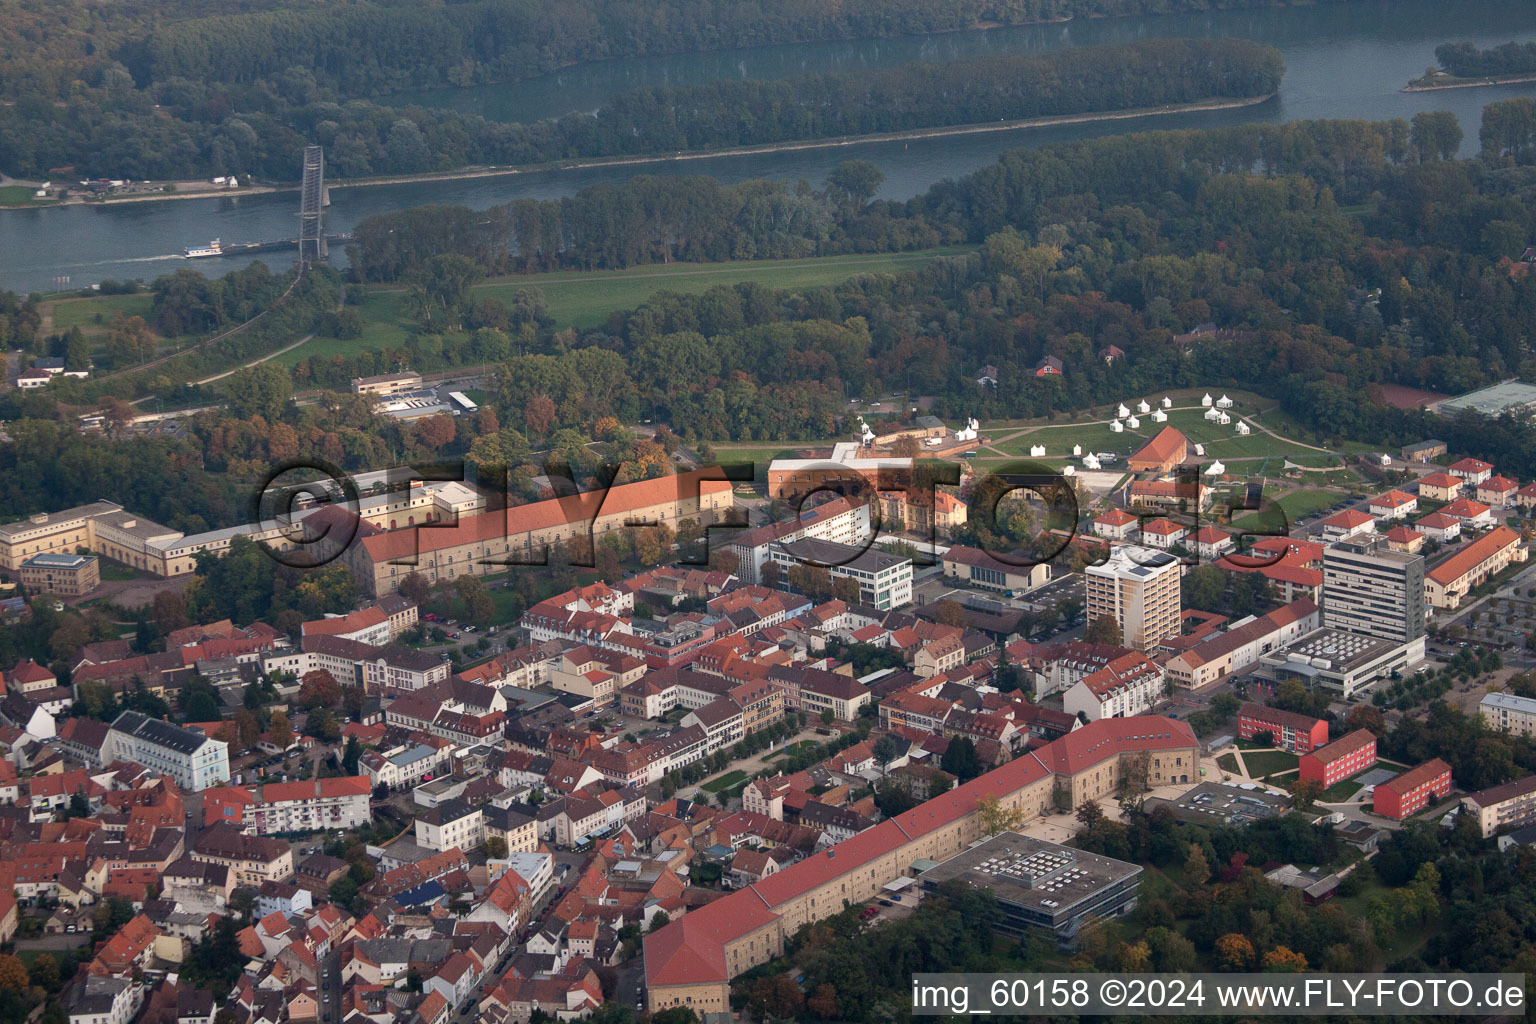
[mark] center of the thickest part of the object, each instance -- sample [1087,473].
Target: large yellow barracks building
[691,961]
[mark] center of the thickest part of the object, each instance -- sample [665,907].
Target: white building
[451,824]
[186,755]
[885,581]
[1130,685]
[1139,589]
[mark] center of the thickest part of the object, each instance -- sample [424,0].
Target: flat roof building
[1370,589]
[1342,662]
[885,581]
[62,574]
[1139,588]
[1042,886]
[1496,399]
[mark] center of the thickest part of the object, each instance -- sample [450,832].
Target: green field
[1269,762]
[21,195]
[1227,763]
[1297,504]
[584,299]
[1220,441]
[93,315]
[726,781]
[1340,791]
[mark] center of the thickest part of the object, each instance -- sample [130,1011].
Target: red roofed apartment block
[1340,759]
[1414,790]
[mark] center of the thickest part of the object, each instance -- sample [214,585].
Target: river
[1342,60]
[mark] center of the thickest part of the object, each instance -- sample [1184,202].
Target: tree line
[1465,60]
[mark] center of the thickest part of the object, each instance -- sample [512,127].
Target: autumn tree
[13,974]
[435,432]
[319,689]
[1103,630]
[280,731]
[1306,792]
[1133,956]
[1197,870]
[169,611]
[823,1002]
[1234,952]
[950,612]
[539,415]
[1284,960]
[993,817]
[415,588]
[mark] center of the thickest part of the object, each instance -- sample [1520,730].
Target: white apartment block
[1139,588]
[1508,713]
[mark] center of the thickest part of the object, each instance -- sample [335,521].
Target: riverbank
[1470,83]
[913,134]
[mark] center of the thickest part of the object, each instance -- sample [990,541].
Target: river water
[1342,60]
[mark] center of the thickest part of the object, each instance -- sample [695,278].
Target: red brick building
[1413,790]
[1300,734]
[1341,758]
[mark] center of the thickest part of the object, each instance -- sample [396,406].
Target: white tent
[1069,471]
[1212,414]
[1037,451]
[1116,426]
[1206,400]
[1215,469]
[1077,450]
[1167,402]
[1143,407]
[1224,402]
[1223,418]
[1159,417]
[1090,461]
[1242,428]
[1133,423]
[1122,411]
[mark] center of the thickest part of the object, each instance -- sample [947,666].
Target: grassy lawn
[114,571]
[21,195]
[93,315]
[726,781]
[584,299]
[1284,781]
[1227,763]
[1298,503]
[1221,441]
[1269,762]
[1340,791]
[384,326]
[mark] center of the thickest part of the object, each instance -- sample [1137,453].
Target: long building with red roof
[490,541]
[691,961]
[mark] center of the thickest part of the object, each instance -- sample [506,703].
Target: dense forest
[1334,255]
[364,138]
[1465,60]
[1129,240]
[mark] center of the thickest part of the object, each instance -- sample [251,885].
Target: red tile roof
[1415,777]
[1469,557]
[520,519]
[1165,445]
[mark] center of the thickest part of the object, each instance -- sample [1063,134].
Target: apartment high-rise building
[1139,587]
[1372,590]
